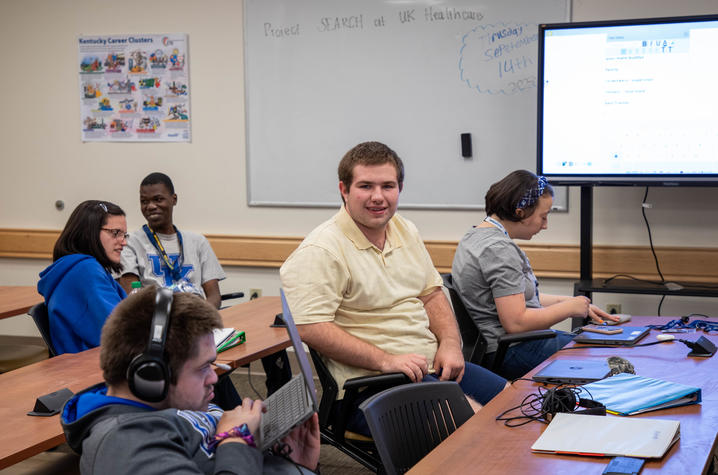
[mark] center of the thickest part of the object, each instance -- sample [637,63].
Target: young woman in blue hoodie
[78,287]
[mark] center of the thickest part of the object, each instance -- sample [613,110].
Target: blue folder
[627,394]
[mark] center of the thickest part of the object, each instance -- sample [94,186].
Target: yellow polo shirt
[337,275]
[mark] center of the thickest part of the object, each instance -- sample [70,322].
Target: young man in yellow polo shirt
[365,293]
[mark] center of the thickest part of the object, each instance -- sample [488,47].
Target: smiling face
[156,204]
[196,379]
[113,245]
[532,225]
[372,198]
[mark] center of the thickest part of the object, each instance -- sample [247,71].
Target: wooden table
[254,318]
[484,445]
[17,299]
[23,436]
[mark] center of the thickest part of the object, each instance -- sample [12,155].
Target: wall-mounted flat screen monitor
[629,102]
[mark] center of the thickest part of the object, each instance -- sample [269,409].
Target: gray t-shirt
[200,264]
[487,265]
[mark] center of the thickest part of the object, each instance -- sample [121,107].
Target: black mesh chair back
[408,421]
[42,321]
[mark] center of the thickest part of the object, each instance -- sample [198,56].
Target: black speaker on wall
[466,145]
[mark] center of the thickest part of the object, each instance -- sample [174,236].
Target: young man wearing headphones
[153,413]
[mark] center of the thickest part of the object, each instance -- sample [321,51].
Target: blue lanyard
[704,325]
[501,227]
[174,267]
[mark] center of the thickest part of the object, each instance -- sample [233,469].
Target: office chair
[408,421]
[42,321]
[474,342]
[334,413]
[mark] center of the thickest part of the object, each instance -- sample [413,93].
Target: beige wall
[43,159]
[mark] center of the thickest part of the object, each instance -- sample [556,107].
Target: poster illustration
[134,88]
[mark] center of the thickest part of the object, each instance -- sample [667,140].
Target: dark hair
[127,331]
[367,154]
[157,178]
[82,232]
[504,196]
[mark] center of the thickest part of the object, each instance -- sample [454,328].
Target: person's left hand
[449,361]
[304,442]
[598,315]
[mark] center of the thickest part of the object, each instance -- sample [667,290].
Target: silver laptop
[293,403]
[573,372]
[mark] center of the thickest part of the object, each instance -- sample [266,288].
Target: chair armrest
[232,295]
[526,336]
[389,379]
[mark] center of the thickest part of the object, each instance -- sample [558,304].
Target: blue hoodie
[80,294]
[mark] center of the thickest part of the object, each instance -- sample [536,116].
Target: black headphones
[564,399]
[544,404]
[148,374]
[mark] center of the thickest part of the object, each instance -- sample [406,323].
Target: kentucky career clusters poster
[134,88]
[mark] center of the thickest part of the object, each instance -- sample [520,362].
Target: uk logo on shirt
[161,271]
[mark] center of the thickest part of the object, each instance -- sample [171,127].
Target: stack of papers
[607,436]
[226,338]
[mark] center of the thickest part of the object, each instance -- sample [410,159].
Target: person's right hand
[250,413]
[578,306]
[411,364]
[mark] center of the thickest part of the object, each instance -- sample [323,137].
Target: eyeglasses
[117,233]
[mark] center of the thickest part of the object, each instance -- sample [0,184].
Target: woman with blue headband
[493,276]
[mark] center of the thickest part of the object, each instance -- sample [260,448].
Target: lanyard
[501,227]
[704,325]
[174,267]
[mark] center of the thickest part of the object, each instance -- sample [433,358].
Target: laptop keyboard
[284,407]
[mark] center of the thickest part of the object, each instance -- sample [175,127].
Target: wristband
[241,432]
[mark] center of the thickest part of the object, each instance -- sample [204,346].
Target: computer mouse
[665,337]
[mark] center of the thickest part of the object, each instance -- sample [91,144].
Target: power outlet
[255,293]
[613,308]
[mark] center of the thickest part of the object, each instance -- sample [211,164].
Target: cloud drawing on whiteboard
[499,58]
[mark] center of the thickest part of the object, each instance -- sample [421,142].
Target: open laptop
[629,336]
[293,403]
[573,372]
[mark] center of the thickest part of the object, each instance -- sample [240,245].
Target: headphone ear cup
[148,375]
[558,400]
[148,378]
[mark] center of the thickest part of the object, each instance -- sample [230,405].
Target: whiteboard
[324,75]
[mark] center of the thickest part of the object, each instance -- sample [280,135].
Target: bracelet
[241,432]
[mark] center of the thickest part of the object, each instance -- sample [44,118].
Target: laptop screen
[304,365]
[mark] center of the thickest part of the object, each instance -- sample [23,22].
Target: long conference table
[24,436]
[17,299]
[484,445]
